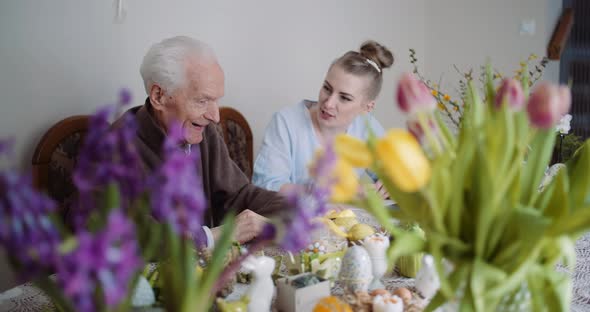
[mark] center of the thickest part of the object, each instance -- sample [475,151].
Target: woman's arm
[273,165]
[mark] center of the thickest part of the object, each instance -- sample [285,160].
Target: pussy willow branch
[438,96]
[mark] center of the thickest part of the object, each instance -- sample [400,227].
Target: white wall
[469,32]
[66,57]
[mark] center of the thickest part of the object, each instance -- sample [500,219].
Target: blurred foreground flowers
[476,195]
[123,218]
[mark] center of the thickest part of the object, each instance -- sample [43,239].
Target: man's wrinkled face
[195,104]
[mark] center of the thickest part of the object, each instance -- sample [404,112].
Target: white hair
[164,63]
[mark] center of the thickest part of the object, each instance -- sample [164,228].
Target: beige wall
[469,32]
[66,57]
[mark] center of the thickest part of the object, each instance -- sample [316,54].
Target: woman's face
[342,98]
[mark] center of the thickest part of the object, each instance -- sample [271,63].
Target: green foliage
[484,212]
[567,145]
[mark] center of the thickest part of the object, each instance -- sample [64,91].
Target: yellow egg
[331,304]
[360,231]
[346,223]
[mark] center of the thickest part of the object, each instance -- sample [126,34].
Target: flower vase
[376,245]
[519,300]
[515,301]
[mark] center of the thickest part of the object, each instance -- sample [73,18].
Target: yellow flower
[353,151]
[347,184]
[446,97]
[434,92]
[403,160]
[522,64]
[441,106]
[533,56]
[456,108]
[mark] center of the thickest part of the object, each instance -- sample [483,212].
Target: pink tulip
[413,95]
[511,92]
[416,130]
[566,99]
[547,104]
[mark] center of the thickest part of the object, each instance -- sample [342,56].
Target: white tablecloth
[27,297]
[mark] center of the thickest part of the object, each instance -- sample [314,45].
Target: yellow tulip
[347,184]
[403,160]
[353,151]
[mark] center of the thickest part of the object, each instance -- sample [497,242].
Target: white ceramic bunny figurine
[262,288]
[427,282]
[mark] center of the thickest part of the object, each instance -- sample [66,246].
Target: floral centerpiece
[476,195]
[122,220]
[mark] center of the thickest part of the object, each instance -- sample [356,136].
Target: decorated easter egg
[356,270]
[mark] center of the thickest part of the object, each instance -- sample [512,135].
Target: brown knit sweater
[226,187]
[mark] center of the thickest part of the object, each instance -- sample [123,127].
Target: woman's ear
[369,106]
[157,97]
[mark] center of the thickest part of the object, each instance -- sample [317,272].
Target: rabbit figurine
[262,289]
[427,281]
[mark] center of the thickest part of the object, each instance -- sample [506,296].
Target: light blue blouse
[290,143]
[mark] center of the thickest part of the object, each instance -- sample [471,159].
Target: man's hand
[248,225]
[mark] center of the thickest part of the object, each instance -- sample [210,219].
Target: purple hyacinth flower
[108,155]
[323,165]
[108,259]
[297,229]
[304,203]
[323,179]
[6,146]
[176,190]
[308,201]
[26,230]
[125,97]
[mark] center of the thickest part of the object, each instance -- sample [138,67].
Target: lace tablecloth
[27,297]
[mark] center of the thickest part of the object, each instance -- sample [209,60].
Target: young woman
[346,98]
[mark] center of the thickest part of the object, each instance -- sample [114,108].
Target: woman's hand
[381,190]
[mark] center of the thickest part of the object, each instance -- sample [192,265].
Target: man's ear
[157,97]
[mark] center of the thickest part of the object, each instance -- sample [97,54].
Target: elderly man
[184,83]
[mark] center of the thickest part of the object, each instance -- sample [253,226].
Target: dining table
[28,298]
